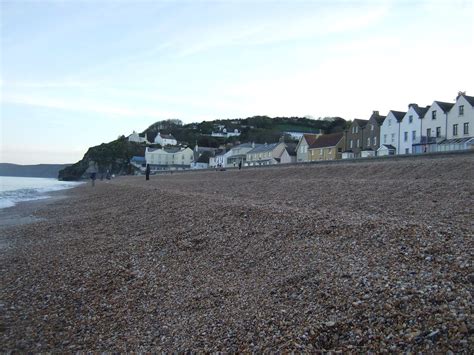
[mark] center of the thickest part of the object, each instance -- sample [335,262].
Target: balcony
[428,140]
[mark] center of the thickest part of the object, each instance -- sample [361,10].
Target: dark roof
[377,117]
[263,148]
[398,114]
[445,106]
[291,149]
[138,159]
[204,158]
[469,99]
[420,111]
[172,150]
[310,138]
[360,123]
[389,146]
[327,140]
[166,136]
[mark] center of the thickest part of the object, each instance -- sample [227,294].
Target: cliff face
[114,157]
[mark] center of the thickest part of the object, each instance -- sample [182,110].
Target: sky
[77,73]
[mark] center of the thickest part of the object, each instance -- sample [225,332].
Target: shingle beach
[351,256]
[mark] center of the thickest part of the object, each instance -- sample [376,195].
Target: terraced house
[390,132]
[371,135]
[410,128]
[265,154]
[327,147]
[354,139]
[303,145]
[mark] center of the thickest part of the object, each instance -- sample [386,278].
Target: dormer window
[410,119]
[433,115]
[389,121]
[461,110]
[371,127]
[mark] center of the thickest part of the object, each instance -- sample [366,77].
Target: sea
[16,189]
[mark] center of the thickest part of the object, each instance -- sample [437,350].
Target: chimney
[412,105]
[376,113]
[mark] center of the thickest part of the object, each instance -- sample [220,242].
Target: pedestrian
[93,177]
[147,172]
[240,164]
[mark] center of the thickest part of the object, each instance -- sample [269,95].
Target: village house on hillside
[410,128]
[306,140]
[266,154]
[138,137]
[169,158]
[327,147]
[354,139]
[223,132]
[371,135]
[390,131]
[165,139]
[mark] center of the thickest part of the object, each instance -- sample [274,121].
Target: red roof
[327,140]
[310,138]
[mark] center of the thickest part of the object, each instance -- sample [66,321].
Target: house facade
[434,126]
[303,145]
[265,154]
[354,138]
[371,135]
[238,154]
[390,129]
[410,128]
[165,139]
[138,137]
[169,158]
[461,118]
[327,147]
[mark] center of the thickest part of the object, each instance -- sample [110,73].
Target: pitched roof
[469,99]
[389,146]
[166,136]
[327,140]
[310,138]
[445,106]
[398,114]
[263,148]
[360,123]
[291,149]
[420,111]
[204,158]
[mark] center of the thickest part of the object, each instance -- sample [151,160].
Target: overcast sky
[78,73]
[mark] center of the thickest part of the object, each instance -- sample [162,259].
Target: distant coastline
[39,170]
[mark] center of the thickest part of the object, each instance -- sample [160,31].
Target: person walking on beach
[240,164]
[147,172]
[93,176]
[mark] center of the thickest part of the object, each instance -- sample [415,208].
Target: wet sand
[353,257]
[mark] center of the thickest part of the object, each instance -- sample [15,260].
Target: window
[413,135]
[385,138]
[438,132]
[357,129]
[368,142]
[375,141]
[371,127]
[410,119]
[358,143]
[407,151]
[428,132]
[461,110]
[433,115]
[455,129]
[393,137]
[389,121]
[405,136]
[329,150]
[351,144]
[466,128]
[321,151]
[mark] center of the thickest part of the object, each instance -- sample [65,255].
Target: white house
[224,133]
[386,149]
[433,127]
[165,139]
[410,128]
[302,147]
[390,130]
[137,138]
[461,118]
[169,158]
[238,154]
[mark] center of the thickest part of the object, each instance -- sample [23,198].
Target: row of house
[161,139]
[442,126]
